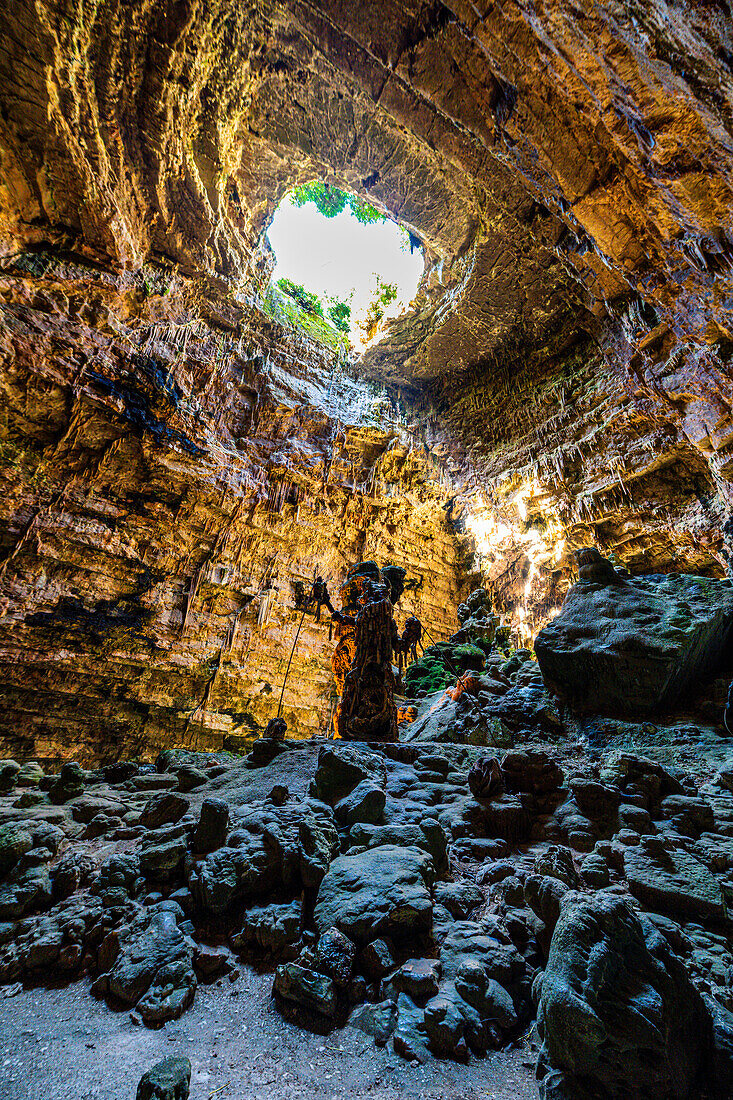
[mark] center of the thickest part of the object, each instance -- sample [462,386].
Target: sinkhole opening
[343,267]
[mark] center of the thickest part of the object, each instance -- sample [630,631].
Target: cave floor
[61,1044]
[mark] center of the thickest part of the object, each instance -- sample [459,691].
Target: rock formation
[534,460]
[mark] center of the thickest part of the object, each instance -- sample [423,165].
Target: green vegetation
[306,299]
[384,295]
[286,310]
[339,313]
[439,667]
[330,201]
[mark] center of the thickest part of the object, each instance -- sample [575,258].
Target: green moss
[439,667]
[286,311]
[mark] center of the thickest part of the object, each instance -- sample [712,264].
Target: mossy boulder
[440,666]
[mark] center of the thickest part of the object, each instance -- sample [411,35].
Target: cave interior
[372,702]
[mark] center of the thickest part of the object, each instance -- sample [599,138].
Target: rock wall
[172,460]
[567,358]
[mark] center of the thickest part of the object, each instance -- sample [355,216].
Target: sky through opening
[334,256]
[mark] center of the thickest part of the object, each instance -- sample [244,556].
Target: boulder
[428,835]
[483,984]
[364,804]
[618,1014]
[15,841]
[377,1020]
[9,770]
[274,928]
[211,831]
[557,862]
[459,898]
[68,784]
[485,779]
[377,958]
[335,956]
[385,890]
[671,879]
[190,777]
[307,988]
[418,977]
[342,768]
[165,808]
[30,775]
[154,967]
[75,869]
[27,887]
[167,1080]
[531,771]
[163,853]
[635,646]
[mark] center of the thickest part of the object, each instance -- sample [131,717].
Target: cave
[364,721]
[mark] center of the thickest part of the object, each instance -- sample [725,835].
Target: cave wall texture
[172,458]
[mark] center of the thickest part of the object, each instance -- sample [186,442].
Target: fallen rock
[165,808]
[9,770]
[163,853]
[557,862]
[634,646]
[274,928]
[154,967]
[485,779]
[27,887]
[531,771]
[377,958]
[342,768]
[211,831]
[364,804]
[459,898]
[428,835]
[30,775]
[385,890]
[377,1020]
[69,784]
[307,988]
[167,1080]
[190,777]
[335,956]
[75,869]
[15,841]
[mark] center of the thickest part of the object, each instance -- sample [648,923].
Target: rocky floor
[60,1043]
[424,919]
